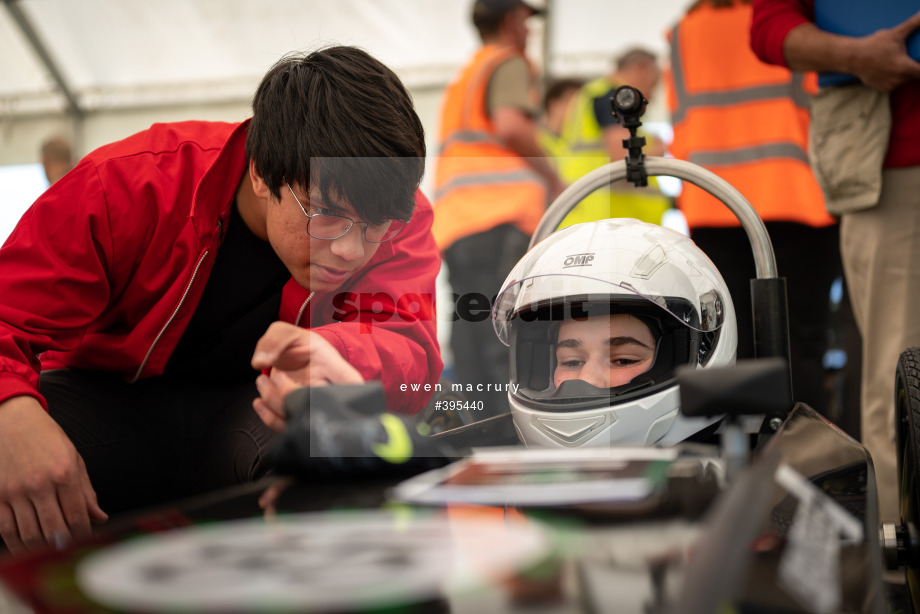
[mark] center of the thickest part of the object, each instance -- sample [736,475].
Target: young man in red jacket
[136,288]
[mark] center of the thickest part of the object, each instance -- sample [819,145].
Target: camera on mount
[627,105]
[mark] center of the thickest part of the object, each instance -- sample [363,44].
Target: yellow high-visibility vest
[584,140]
[553,146]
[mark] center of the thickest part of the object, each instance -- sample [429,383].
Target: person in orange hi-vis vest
[747,122]
[492,185]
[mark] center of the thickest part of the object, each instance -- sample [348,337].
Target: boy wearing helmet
[598,317]
[605,351]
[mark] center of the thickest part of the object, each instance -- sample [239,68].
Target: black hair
[718,4]
[339,118]
[558,88]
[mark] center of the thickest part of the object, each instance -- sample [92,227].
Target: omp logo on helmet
[578,260]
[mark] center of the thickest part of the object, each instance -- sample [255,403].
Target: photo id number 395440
[458,405]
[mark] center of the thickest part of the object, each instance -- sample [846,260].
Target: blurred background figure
[747,122]
[57,158]
[492,185]
[593,137]
[556,101]
[864,133]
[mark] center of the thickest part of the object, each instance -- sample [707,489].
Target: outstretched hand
[297,357]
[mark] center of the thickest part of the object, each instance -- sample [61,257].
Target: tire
[907,407]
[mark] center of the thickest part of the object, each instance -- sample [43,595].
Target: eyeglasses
[327,227]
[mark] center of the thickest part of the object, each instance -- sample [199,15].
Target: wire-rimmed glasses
[327,227]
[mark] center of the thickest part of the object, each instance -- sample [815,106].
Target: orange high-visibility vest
[479,182]
[744,120]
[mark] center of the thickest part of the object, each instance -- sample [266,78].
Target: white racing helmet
[601,268]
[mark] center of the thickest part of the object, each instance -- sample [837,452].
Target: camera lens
[627,99]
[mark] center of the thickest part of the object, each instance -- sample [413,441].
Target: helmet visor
[692,301]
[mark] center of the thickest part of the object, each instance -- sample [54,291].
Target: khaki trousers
[880,249]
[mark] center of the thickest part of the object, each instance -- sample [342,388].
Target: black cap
[487,12]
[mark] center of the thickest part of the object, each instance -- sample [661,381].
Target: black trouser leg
[809,259]
[478,265]
[158,439]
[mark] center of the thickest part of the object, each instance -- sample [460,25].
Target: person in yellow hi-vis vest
[593,138]
[556,100]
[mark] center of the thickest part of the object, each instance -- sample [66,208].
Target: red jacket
[105,270]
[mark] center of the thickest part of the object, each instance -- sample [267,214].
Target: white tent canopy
[98,70]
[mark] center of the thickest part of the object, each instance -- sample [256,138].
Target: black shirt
[241,298]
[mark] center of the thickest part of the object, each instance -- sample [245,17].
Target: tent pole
[74,109]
